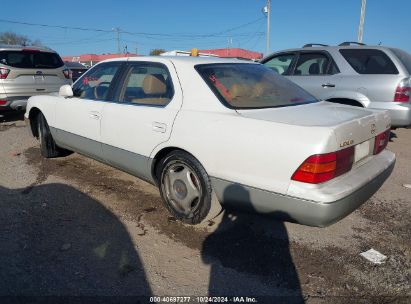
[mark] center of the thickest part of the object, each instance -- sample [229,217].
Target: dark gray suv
[374,77]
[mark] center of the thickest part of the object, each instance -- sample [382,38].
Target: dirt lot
[72,226]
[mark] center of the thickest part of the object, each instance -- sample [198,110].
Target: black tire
[170,184]
[48,147]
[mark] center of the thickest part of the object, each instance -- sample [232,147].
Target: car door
[78,118]
[142,116]
[314,72]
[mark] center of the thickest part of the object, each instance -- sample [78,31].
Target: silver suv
[374,77]
[28,71]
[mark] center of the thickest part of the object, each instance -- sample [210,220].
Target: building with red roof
[92,59]
[234,53]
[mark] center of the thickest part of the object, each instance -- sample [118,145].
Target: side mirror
[66,91]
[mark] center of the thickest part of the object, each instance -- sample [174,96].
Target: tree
[16,39]
[156,52]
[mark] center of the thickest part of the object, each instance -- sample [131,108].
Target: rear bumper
[400,112]
[295,209]
[15,103]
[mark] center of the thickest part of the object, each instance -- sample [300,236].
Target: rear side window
[404,57]
[311,64]
[148,84]
[368,61]
[31,59]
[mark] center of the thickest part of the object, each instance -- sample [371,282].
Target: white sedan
[211,131]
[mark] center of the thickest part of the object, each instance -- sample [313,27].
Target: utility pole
[267,10]
[362,17]
[116,29]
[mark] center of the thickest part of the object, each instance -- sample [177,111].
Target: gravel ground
[74,227]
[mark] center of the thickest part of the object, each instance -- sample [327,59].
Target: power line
[54,26]
[81,43]
[147,34]
[65,41]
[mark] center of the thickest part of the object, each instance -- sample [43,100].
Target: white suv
[374,77]
[28,71]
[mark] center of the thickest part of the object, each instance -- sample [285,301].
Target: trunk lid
[351,125]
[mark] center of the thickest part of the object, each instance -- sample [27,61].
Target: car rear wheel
[186,189]
[48,147]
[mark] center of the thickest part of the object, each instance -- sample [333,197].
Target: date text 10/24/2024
[203,300]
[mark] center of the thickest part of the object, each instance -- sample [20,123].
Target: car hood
[321,114]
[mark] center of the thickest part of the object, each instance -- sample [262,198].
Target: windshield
[251,86]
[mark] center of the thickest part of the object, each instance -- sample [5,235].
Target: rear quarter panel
[248,151]
[375,88]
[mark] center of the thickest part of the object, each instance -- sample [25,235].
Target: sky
[183,25]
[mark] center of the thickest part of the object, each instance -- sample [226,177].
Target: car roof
[333,47]
[7,47]
[188,60]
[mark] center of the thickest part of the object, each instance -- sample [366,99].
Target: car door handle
[159,127]
[94,115]
[328,85]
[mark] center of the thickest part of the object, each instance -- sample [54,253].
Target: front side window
[148,84]
[369,61]
[31,59]
[280,64]
[251,86]
[311,64]
[96,82]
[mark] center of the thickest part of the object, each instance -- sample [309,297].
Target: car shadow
[11,116]
[57,241]
[248,246]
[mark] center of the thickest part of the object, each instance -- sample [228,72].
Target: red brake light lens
[324,167]
[381,141]
[2,102]
[402,94]
[4,73]
[403,91]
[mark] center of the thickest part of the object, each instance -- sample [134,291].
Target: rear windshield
[31,59]
[404,57]
[369,61]
[245,86]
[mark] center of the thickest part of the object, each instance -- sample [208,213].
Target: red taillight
[324,167]
[403,91]
[4,73]
[2,102]
[381,141]
[67,73]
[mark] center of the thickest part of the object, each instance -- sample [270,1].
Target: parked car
[27,71]
[212,130]
[374,77]
[76,68]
